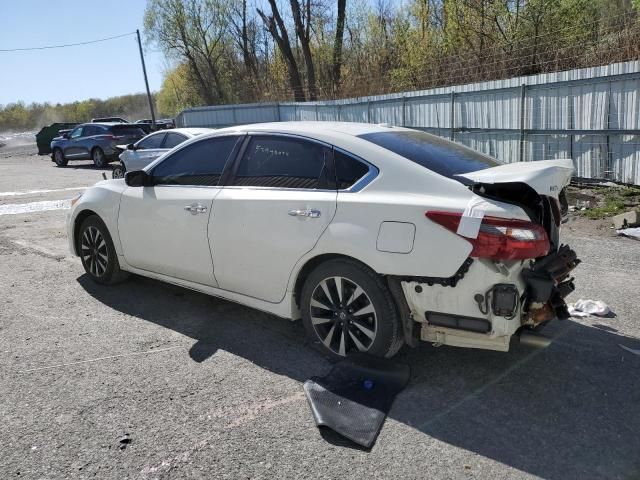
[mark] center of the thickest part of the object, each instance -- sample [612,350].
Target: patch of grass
[614,200]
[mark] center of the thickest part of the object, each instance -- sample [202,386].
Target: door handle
[194,209]
[308,213]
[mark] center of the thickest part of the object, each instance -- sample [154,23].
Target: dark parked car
[109,120]
[94,141]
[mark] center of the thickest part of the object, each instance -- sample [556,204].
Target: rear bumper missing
[548,284]
[489,302]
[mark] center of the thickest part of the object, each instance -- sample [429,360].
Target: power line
[66,45]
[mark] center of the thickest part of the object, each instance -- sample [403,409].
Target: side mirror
[131,146]
[138,178]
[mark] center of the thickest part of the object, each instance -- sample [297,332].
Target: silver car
[136,156]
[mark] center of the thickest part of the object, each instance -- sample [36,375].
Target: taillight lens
[500,238]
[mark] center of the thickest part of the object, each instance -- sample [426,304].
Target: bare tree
[337,46]
[276,27]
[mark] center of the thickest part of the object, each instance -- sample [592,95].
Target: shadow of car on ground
[567,411]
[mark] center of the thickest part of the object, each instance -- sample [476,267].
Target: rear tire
[58,157]
[99,158]
[361,318]
[97,252]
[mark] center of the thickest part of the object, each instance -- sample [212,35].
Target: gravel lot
[208,389]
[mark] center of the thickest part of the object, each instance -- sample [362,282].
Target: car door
[163,227]
[87,140]
[146,151]
[73,147]
[272,211]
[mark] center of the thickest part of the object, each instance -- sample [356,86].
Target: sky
[100,70]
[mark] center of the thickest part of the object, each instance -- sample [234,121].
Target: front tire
[59,158]
[118,171]
[99,158]
[347,308]
[97,252]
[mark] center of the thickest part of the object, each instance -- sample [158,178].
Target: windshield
[437,154]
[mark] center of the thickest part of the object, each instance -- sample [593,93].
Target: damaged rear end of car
[517,275]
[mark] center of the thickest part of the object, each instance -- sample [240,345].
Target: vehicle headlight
[75,199]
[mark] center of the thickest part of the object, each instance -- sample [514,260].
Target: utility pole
[146,82]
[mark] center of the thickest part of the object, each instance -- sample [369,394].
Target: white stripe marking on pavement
[31,192]
[16,208]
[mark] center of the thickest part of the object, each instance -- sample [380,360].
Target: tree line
[238,51]
[21,116]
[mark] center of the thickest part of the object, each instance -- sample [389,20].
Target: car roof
[190,131]
[348,128]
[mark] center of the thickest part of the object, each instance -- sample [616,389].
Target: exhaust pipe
[533,339]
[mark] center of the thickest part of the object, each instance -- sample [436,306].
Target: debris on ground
[604,200]
[630,232]
[124,441]
[585,308]
[354,398]
[626,220]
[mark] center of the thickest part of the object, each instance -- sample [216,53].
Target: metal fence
[590,115]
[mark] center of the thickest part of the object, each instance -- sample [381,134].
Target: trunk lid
[546,177]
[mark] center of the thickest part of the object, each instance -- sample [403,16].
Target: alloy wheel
[94,251]
[118,172]
[343,316]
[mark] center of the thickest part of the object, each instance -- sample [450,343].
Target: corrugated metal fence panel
[625,108]
[327,113]
[306,112]
[488,110]
[356,112]
[597,98]
[287,113]
[257,114]
[504,146]
[548,108]
[433,112]
[626,155]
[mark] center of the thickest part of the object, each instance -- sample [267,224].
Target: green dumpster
[48,133]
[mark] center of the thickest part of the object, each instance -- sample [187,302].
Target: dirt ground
[147,380]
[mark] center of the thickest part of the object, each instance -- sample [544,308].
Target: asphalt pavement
[148,380]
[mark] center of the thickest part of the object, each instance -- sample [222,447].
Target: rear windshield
[127,130]
[435,153]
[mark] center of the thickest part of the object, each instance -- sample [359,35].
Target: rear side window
[435,153]
[348,170]
[200,163]
[89,131]
[127,130]
[173,139]
[283,162]
[152,141]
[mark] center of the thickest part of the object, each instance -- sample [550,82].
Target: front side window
[77,133]
[152,141]
[173,140]
[200,163]
[283,162]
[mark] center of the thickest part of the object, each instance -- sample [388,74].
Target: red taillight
[500,238]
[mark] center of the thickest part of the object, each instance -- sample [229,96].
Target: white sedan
[375,236]
[136,156]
